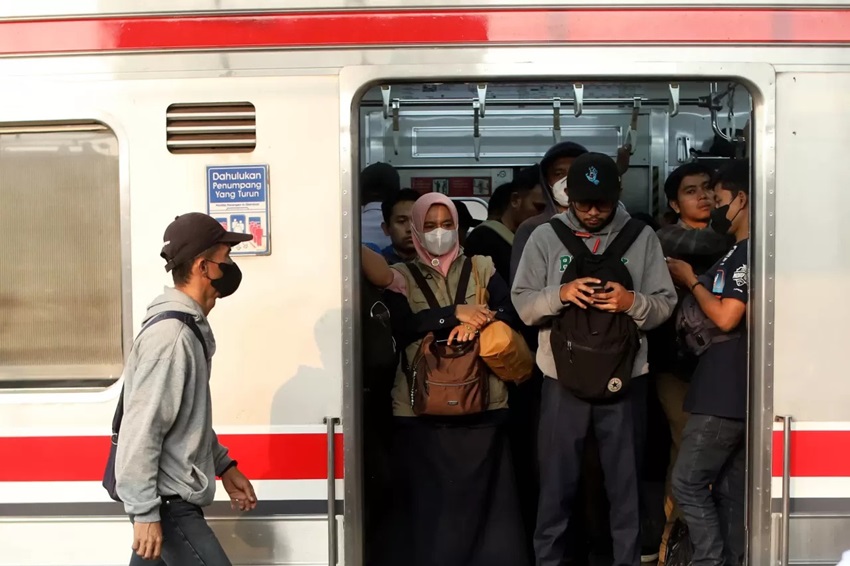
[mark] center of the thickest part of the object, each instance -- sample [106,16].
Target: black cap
[192,234]
[593,177]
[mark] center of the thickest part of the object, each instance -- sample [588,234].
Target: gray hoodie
[537,285]
[167,445]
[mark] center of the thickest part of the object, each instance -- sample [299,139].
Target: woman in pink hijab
[454,500]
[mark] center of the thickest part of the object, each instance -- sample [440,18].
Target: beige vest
[485,269]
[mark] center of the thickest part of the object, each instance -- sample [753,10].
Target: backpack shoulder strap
[423,286]
[463,282]
[625,239]
[572,242]
[499,229]
[185,318]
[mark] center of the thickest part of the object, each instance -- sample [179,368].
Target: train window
[60,276]
[226,127]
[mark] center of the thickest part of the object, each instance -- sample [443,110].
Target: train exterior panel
[286,366]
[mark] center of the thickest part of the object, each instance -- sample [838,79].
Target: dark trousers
[187,540]
[589,535]
[564,424]
[708,483]
[524,414]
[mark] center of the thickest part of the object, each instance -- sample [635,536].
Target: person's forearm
[375,268]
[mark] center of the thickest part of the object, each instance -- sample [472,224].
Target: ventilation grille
[226,127]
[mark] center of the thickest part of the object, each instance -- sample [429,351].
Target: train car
[115,117]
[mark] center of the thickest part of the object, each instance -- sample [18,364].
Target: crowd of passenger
[478,458]
[508,374]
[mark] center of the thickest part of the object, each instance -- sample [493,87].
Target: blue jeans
[708,484]
[187,540]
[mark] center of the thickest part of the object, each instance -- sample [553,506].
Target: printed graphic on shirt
[740,276]
[565,262]
[719,282]
[731,275]
[728,254]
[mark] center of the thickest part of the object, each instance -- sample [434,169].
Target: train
[116,117]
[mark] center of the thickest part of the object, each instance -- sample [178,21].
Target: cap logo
[591,175]
[166,242]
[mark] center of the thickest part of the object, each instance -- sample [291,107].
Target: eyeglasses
[587,206]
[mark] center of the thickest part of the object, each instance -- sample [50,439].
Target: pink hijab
[420,209]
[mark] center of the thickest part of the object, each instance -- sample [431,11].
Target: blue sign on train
[238,197]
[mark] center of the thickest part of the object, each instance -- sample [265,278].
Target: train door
[463,137]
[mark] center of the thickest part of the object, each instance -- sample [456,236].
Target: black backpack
[379,351]
[109,483]
[595,350]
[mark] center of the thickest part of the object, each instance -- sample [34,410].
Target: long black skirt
[454,497]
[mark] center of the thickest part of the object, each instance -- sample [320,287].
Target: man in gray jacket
[594,187]
[168,455]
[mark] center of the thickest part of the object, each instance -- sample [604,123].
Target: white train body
[87,100]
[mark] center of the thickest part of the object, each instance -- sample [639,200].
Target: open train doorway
[475,143]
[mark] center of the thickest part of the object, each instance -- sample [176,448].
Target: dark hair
[524,182]
[734,176]
[464,217]
[183,272]
[559,151]
[500,199]
[674,181]
[378,182]
[528,178]
[404,195]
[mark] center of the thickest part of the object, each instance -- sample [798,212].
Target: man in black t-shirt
[709,474]
[510,205]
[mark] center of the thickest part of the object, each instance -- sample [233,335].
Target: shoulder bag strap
[625,238]
[463,282]
[499,229]
[185,318]
[423,286]
[573,243]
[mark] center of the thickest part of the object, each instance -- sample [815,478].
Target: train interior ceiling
[466,139]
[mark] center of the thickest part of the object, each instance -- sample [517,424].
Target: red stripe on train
[304,456]
[82,458]
[821,453]
[426,27]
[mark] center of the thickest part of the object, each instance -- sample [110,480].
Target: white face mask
[559,192]
[439,241]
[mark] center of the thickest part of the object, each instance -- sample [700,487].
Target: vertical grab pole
[331,423]
[786,490]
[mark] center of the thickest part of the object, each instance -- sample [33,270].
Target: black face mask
[228,283]
[719,223]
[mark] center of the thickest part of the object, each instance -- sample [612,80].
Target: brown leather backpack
[447,380]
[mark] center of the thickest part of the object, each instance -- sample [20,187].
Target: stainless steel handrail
[784,550]
[333,558]
[624,101]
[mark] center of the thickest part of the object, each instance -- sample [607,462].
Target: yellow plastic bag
[502,348]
